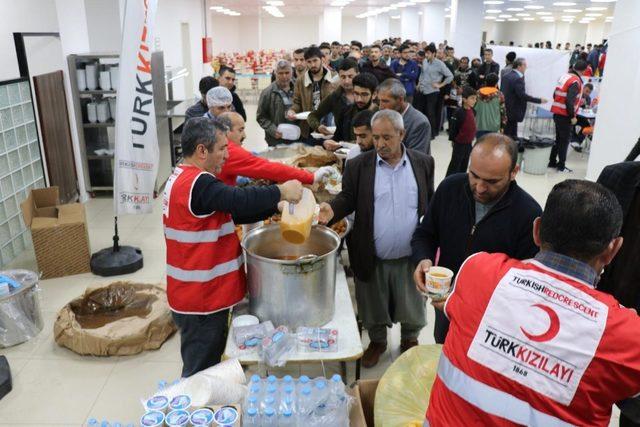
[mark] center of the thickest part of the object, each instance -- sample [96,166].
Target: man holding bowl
[482,210]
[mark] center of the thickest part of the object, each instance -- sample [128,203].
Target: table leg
[357,369]
[343,371]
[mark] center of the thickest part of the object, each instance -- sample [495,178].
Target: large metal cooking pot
[292,285]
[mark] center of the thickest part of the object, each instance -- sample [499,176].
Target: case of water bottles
[296,402]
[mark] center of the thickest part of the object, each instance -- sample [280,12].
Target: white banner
[136,156]
[544,68]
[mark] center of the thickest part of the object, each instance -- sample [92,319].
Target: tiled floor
[54,386]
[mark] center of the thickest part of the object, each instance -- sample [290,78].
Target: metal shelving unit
[98,168]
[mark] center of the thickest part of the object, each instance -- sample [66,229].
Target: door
[56,135]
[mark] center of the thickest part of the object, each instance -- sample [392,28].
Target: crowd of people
[512,260]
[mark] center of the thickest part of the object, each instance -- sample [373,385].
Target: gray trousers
[389,296]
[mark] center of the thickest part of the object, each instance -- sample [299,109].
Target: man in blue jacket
[406,70]
[482,210]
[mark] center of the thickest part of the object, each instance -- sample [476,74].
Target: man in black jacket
[482,210]
[388,189]
[228,79]
[488,66]
[516,98]
[376,66]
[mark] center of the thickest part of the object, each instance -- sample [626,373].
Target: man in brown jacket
[310,89]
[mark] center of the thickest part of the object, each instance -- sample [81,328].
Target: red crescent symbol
[554,325]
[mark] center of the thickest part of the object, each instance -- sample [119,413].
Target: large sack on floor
[403,392]
[120,319]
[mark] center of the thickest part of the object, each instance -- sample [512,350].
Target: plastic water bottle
[287,380]
[256,391]
[272,391]
[252,402]
[302,383]
[272,380]
[287,418]
[336,388]
[321,398]
[267,402]
[105,423]
[251,418]
[287,404]
[288,391]
[92,422]
[269,419]
[255,379]
[338,400]
[305,404]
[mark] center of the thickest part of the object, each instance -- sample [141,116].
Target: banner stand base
[109,262]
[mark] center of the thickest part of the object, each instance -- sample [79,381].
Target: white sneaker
[565,170]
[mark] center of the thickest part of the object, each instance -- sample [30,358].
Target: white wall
[395,28]
[168,34]
[103,22]
[291,33]
[523,33]
[21,16]
[353,29]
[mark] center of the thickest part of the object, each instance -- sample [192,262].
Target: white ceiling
[356,7]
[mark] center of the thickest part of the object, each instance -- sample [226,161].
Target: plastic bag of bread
[403,392]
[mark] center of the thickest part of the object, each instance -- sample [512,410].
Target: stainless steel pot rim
[299,261]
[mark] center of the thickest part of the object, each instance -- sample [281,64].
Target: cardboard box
[59,233]
[365,393]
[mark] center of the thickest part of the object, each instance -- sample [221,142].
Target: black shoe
[552,165]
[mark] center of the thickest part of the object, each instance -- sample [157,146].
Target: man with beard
[362,131]
[406,70]
[464,75]
[364,85]
[310,89]
[376,65]
[299,64]
[336,55]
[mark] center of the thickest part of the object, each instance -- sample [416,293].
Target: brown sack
[122,337]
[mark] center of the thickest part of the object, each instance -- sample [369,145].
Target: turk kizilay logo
[531,330]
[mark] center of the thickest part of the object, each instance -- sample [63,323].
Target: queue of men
[528,339]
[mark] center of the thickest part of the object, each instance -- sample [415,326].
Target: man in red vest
[566,101]
[205,278]
[533,342]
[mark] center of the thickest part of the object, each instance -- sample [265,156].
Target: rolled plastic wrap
[20,312]
[403,392]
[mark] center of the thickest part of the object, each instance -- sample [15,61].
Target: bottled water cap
[252,412]
[336,378]
[304,379]
[92,421]
[253,399]
[306,391]
[288,389]
[287,379]
[320,385]
[255,378]
[255,389]
[287,412]
[269,400]
[272,389]
[271,379]
[288,400]
[269,412]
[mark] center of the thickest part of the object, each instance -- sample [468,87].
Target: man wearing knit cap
[219,100]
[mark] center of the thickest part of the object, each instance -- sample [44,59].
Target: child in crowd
[462,132]
[490,112]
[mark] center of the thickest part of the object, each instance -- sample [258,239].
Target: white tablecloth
[344,320]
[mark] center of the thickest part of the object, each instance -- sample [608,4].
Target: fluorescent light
[564,3]
[592,14]
[447,16]
[534,7]
[499,20]
[395,17]
[489,17]
[339,3]
[596,9]
[603,1]
[515,9]
[273,11]
[522,14]
[505,16]
[543,13]
[513,20]
[276,3]
[493,2]
[528,19]
[447,9]
[493,11]
[568,17]
[216,8]
[572,10]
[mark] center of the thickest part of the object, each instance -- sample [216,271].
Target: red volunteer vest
[528,345]
[204,258]
[559,105]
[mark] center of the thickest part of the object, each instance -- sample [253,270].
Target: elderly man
[200,108]
[417,136]
[205,276]
[387,54]
[388,189]
[219,100]
[482,210]
[534,342]
[228,79]
[242,163]
[310,89]
[274,101]
[433,77]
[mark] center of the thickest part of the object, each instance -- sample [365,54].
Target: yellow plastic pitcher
[295,225]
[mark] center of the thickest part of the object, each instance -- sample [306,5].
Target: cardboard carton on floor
[364,391]
[59,233]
